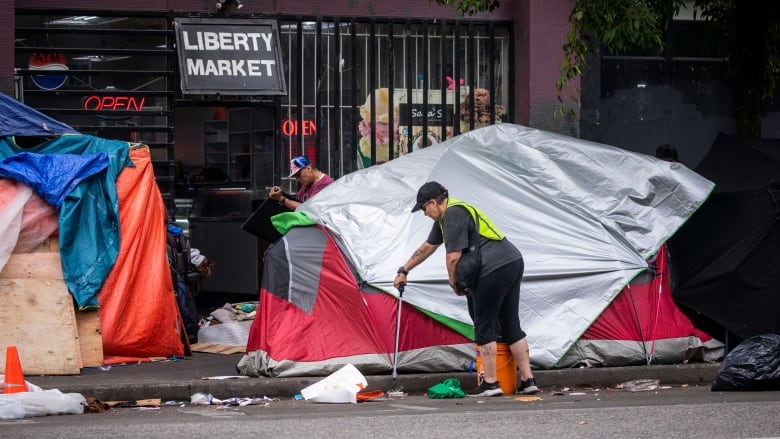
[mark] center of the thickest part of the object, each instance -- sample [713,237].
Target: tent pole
[397,328]
[638,323]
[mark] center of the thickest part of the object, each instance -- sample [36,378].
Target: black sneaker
[487,389]
[528,387]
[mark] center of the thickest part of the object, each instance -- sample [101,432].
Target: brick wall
[7,48]
[372,8]
[548,23]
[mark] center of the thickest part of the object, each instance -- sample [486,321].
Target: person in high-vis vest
[493,305]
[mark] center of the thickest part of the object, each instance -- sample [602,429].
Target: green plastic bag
[449,388]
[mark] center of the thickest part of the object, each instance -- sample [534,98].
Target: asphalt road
[672,411]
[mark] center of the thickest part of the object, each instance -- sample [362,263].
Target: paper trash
[341,386]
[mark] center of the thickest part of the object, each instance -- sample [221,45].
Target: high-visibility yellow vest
[486,227]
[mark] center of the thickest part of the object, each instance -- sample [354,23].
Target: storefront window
[680,97]
[378,90]
[360,91]
[109,76]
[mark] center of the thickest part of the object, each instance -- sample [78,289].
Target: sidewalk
[178,380]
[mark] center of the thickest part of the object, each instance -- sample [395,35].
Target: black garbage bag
[753,365]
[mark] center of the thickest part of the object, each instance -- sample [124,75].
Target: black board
[259,222]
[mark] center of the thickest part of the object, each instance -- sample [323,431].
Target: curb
[690,374]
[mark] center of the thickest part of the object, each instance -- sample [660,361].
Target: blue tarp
[52,176]
[89,214]
[17,119]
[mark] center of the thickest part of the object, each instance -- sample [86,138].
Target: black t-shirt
[457,226]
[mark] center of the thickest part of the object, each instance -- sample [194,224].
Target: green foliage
[468,7]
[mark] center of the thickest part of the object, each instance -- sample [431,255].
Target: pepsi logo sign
[48,62]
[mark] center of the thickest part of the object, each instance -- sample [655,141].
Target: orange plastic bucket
[506,368]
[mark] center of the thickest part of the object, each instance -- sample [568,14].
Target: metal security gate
[109,75]
[361,91]
[379,88]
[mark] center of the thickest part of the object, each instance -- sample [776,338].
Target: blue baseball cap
[297,164]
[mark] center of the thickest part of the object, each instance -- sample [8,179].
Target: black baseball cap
[428,191]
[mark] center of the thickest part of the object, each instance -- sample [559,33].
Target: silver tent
[586,216]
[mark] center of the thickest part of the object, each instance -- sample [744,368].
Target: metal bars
[118,82]
[388,80]
[334,66]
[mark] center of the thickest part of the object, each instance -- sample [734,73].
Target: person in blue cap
[310,180]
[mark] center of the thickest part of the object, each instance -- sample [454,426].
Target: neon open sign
[292,127]
[113,103]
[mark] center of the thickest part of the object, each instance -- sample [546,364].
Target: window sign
[113,107]
[229,57]
[402,107]
[52,62]
[113,103]
[410,116]
[434,114]
[292,129]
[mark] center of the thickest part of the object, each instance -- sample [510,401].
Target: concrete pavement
[178,380]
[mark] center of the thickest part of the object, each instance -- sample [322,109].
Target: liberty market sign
[229,57]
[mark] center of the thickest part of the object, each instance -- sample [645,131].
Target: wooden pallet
[216,348]
[40,319]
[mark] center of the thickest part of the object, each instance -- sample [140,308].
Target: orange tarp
[138,312]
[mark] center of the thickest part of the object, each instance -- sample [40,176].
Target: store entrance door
[227,160]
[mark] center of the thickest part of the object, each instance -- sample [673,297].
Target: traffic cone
[14,378]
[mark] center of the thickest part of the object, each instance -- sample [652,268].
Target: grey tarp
[586,216]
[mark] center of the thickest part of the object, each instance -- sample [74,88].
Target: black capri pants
[494,305]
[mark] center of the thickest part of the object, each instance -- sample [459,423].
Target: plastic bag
[12,200]
[753,365]
[200,398]
[11,408]
[449,388]
[641,385]
[52,402]
[39,402]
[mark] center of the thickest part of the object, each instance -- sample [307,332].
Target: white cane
[398,327]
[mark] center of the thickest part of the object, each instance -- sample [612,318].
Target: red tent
[643,325]
[315,317]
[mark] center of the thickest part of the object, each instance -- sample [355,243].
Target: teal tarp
[89,214]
